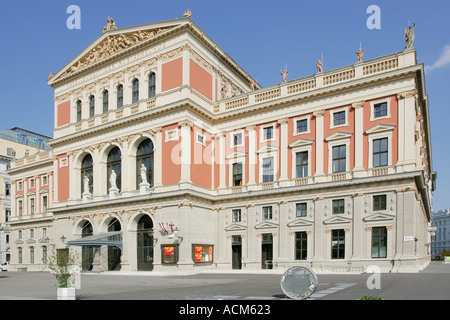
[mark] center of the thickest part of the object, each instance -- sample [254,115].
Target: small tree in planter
[64,265]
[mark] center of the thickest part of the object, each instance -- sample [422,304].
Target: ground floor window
[203,253]
[379,242]
[338,244]
[300,245]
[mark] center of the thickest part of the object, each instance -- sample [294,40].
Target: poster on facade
[203,254]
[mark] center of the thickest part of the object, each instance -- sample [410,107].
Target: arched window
[105,101]
[87,253]
[87,171]
[152,85]
[91,106]
[78,111]
[114,163]
[135,97]
[120,96]
[144,156]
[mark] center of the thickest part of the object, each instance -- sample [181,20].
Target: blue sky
[263,36]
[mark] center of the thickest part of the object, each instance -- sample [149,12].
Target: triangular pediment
[236,227]
[300,223]
[337,220]
[301,143]
[267,148]
[111,43]
[381,127]
[236,154]
[339,135]
[378,216]
[266,225]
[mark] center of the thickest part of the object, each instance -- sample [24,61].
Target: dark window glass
[301,164]
[120,96]
[301,245]
[91,106]
[144,156]
[379,202]
[152,85]
[339,155]
[301,209]
[268,169]
[135,97]
[302,125]
[380,152]
[338,244]
[114,163]
[380,110]
[379,242]
[237,174]
[339,118]
[105,101]
[338,206]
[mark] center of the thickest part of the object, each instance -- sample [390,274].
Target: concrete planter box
[66,294]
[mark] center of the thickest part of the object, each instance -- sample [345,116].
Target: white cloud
[443,60]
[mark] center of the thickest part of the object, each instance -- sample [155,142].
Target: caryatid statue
[409,35]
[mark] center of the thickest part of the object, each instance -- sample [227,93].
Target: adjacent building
[167,155]
[14,143]
[441,238]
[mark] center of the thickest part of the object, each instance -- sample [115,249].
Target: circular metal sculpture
[299,283]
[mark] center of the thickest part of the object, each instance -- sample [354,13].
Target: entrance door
[145,244]
[236,249]
[267,251]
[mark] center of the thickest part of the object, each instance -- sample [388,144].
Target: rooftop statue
[110,25]
[409,35]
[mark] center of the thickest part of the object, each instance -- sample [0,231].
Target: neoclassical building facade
[167,156]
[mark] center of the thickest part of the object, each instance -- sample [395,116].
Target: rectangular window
[338,244]
[380,110]
[237,139]
[20,255]
[379,202]
[31,183]
[31,233]
[380,152]
[339,118]
[20,207]
[301,209]
[302,125]
[301,164]
[44,180]
[32,206]
[20,186]
[31,254]
[301,244]
[236,213]
[44,232]
[339,158]
[237,174]
[268,133]
[267,213]
[338,206]
[44,204]
[379,242]
[7,189]
[268,169]
[44,254]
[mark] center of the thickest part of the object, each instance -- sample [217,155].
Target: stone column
[185,150]
[222,169]
[251,155]
[359,132]
[319,145]
[283,150]
[406,123]
[157,171]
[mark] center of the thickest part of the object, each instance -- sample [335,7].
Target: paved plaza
[431,284]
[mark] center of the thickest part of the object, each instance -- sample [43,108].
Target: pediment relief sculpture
[110,45]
